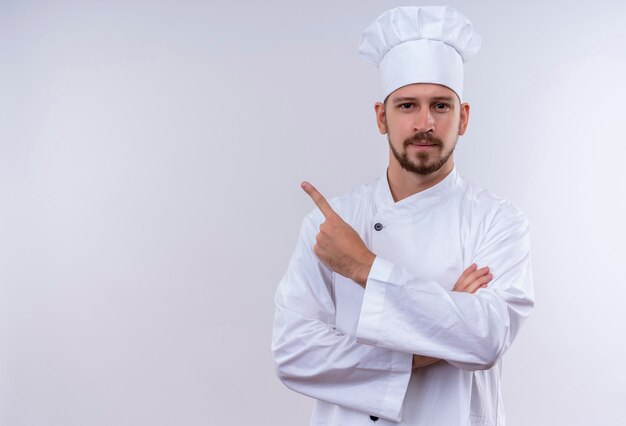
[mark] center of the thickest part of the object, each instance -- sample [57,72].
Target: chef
[403,295]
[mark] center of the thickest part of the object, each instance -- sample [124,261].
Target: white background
[150,156]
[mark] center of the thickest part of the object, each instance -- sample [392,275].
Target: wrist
[363,270]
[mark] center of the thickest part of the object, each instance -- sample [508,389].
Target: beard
[424,163]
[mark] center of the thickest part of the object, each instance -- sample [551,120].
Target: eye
[441,106]
[405,105]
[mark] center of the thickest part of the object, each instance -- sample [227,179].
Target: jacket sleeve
[470,331]
[315,359]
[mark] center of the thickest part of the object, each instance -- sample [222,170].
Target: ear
[381,122]
[465,112]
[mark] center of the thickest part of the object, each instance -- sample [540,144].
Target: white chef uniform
[351,349]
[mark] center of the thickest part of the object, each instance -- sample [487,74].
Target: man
[383,314]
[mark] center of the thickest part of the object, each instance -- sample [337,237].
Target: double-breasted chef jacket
[352,348]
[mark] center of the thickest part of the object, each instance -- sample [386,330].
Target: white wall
[150,156]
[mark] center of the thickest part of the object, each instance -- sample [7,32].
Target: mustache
[423,138]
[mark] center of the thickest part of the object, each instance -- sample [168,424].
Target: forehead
[422,91]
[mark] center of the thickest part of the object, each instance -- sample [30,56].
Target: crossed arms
[342,250]
[467,328]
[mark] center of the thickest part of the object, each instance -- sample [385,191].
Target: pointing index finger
[319,200]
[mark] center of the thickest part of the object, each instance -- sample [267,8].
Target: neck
[403,183]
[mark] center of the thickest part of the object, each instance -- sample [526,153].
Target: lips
[423,145]
[423,141]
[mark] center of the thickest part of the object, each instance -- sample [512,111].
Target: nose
[424,120]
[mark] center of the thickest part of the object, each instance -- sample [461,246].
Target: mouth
[423,142]
[421,145]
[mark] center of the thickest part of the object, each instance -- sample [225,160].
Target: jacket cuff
[401,369]
[369,325]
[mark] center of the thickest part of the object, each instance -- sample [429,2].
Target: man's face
[423,122]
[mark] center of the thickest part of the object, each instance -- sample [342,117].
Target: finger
[460,282]
[476,274]
[467,271]
[319,200]
[470,279]
[482,281]
[482,286]
[472,275]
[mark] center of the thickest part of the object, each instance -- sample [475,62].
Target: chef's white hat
[420,44]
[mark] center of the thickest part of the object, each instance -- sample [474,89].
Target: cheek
[399,126]
[448,126]
[395,135]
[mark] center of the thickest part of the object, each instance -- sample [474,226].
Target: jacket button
[374,418]
[378,227]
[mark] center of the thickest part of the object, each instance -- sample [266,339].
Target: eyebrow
[410,99]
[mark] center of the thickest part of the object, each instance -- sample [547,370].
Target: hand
[338,245]
[470,281]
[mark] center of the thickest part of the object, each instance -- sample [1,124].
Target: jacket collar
[428,197]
